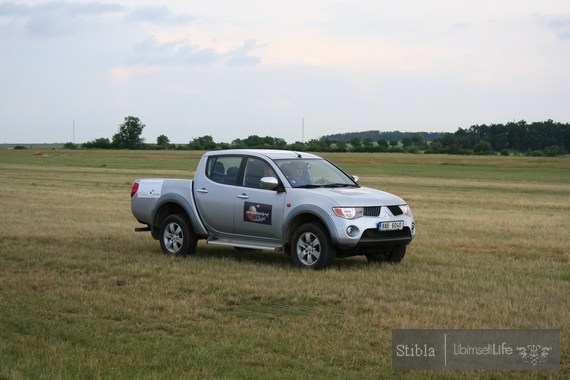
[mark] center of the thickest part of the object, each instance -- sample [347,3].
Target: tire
[176,236]
[311,247]
[394,255]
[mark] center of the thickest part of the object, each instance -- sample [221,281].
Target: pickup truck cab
[278,200]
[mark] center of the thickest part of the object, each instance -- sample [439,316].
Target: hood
[358,196]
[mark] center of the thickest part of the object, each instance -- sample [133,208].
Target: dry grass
[83,296]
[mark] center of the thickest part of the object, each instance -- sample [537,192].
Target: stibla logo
[414,350]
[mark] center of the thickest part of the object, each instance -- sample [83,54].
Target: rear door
[215,192]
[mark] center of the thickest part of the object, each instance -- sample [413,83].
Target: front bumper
[372,238]
[363,233]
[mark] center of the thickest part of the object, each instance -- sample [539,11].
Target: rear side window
[223,169]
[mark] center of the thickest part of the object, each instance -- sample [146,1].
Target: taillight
[134,189]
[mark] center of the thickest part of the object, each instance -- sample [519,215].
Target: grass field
[84,296]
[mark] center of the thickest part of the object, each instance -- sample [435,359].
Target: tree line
[547,138]
[538,138]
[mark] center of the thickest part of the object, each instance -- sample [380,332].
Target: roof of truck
[273,154]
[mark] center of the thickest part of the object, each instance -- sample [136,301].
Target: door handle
[243,196]
[202,190]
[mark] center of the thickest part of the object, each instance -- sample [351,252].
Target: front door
[258,213]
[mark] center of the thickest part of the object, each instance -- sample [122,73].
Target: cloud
[152,52]
[158,15]
[561,27]
[60,17]
[183,52]
[12,9]
[55,18]
[241,56]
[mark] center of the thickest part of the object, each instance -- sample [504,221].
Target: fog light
[352,231]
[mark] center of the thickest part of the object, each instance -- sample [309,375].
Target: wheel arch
[302,218]
[165,209]
[176,206]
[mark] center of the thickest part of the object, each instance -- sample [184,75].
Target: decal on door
[257,213]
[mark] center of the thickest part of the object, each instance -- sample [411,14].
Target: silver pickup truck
[298,203]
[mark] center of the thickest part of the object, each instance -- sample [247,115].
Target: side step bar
[246,244]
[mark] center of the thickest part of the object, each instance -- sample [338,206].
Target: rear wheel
[176,236]
[311,247]
[393,255]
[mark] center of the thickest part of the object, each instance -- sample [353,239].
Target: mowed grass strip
[84,296]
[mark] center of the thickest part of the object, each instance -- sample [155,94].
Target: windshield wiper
[309,186]
[314,186]
[340,185]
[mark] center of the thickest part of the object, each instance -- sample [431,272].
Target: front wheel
[393,255]
[311,247]
[176,236]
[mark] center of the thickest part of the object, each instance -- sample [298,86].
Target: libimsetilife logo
[500,349]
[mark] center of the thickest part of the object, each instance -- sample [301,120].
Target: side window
[223,169]
[255,169]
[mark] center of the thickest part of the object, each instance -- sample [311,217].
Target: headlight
[406,210]
[348,212]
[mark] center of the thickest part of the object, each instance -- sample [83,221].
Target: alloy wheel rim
[308,248]
[173,237]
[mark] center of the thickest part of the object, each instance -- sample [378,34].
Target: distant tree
[100,143]
[436,147]
[255,141]
[162,141]
[341,146]
[553,150]
[202,143]
[417,140]
[466,138]
[69,145]
[446,143]
[317,145]
[129,135]
[237,144]
[483,147]
[297,146]
[355,143]
[280,143]
[368,145]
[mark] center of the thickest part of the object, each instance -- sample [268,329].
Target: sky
[71,71]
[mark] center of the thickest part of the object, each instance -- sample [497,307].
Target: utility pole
[74,131]
[303,130]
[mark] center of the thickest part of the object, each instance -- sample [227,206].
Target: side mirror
[269,183]
[355,178]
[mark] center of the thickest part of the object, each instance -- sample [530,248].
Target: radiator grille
[372,211]
[375,210]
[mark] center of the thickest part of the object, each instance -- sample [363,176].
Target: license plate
[391,226]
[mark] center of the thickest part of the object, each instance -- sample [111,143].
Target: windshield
[313,173]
